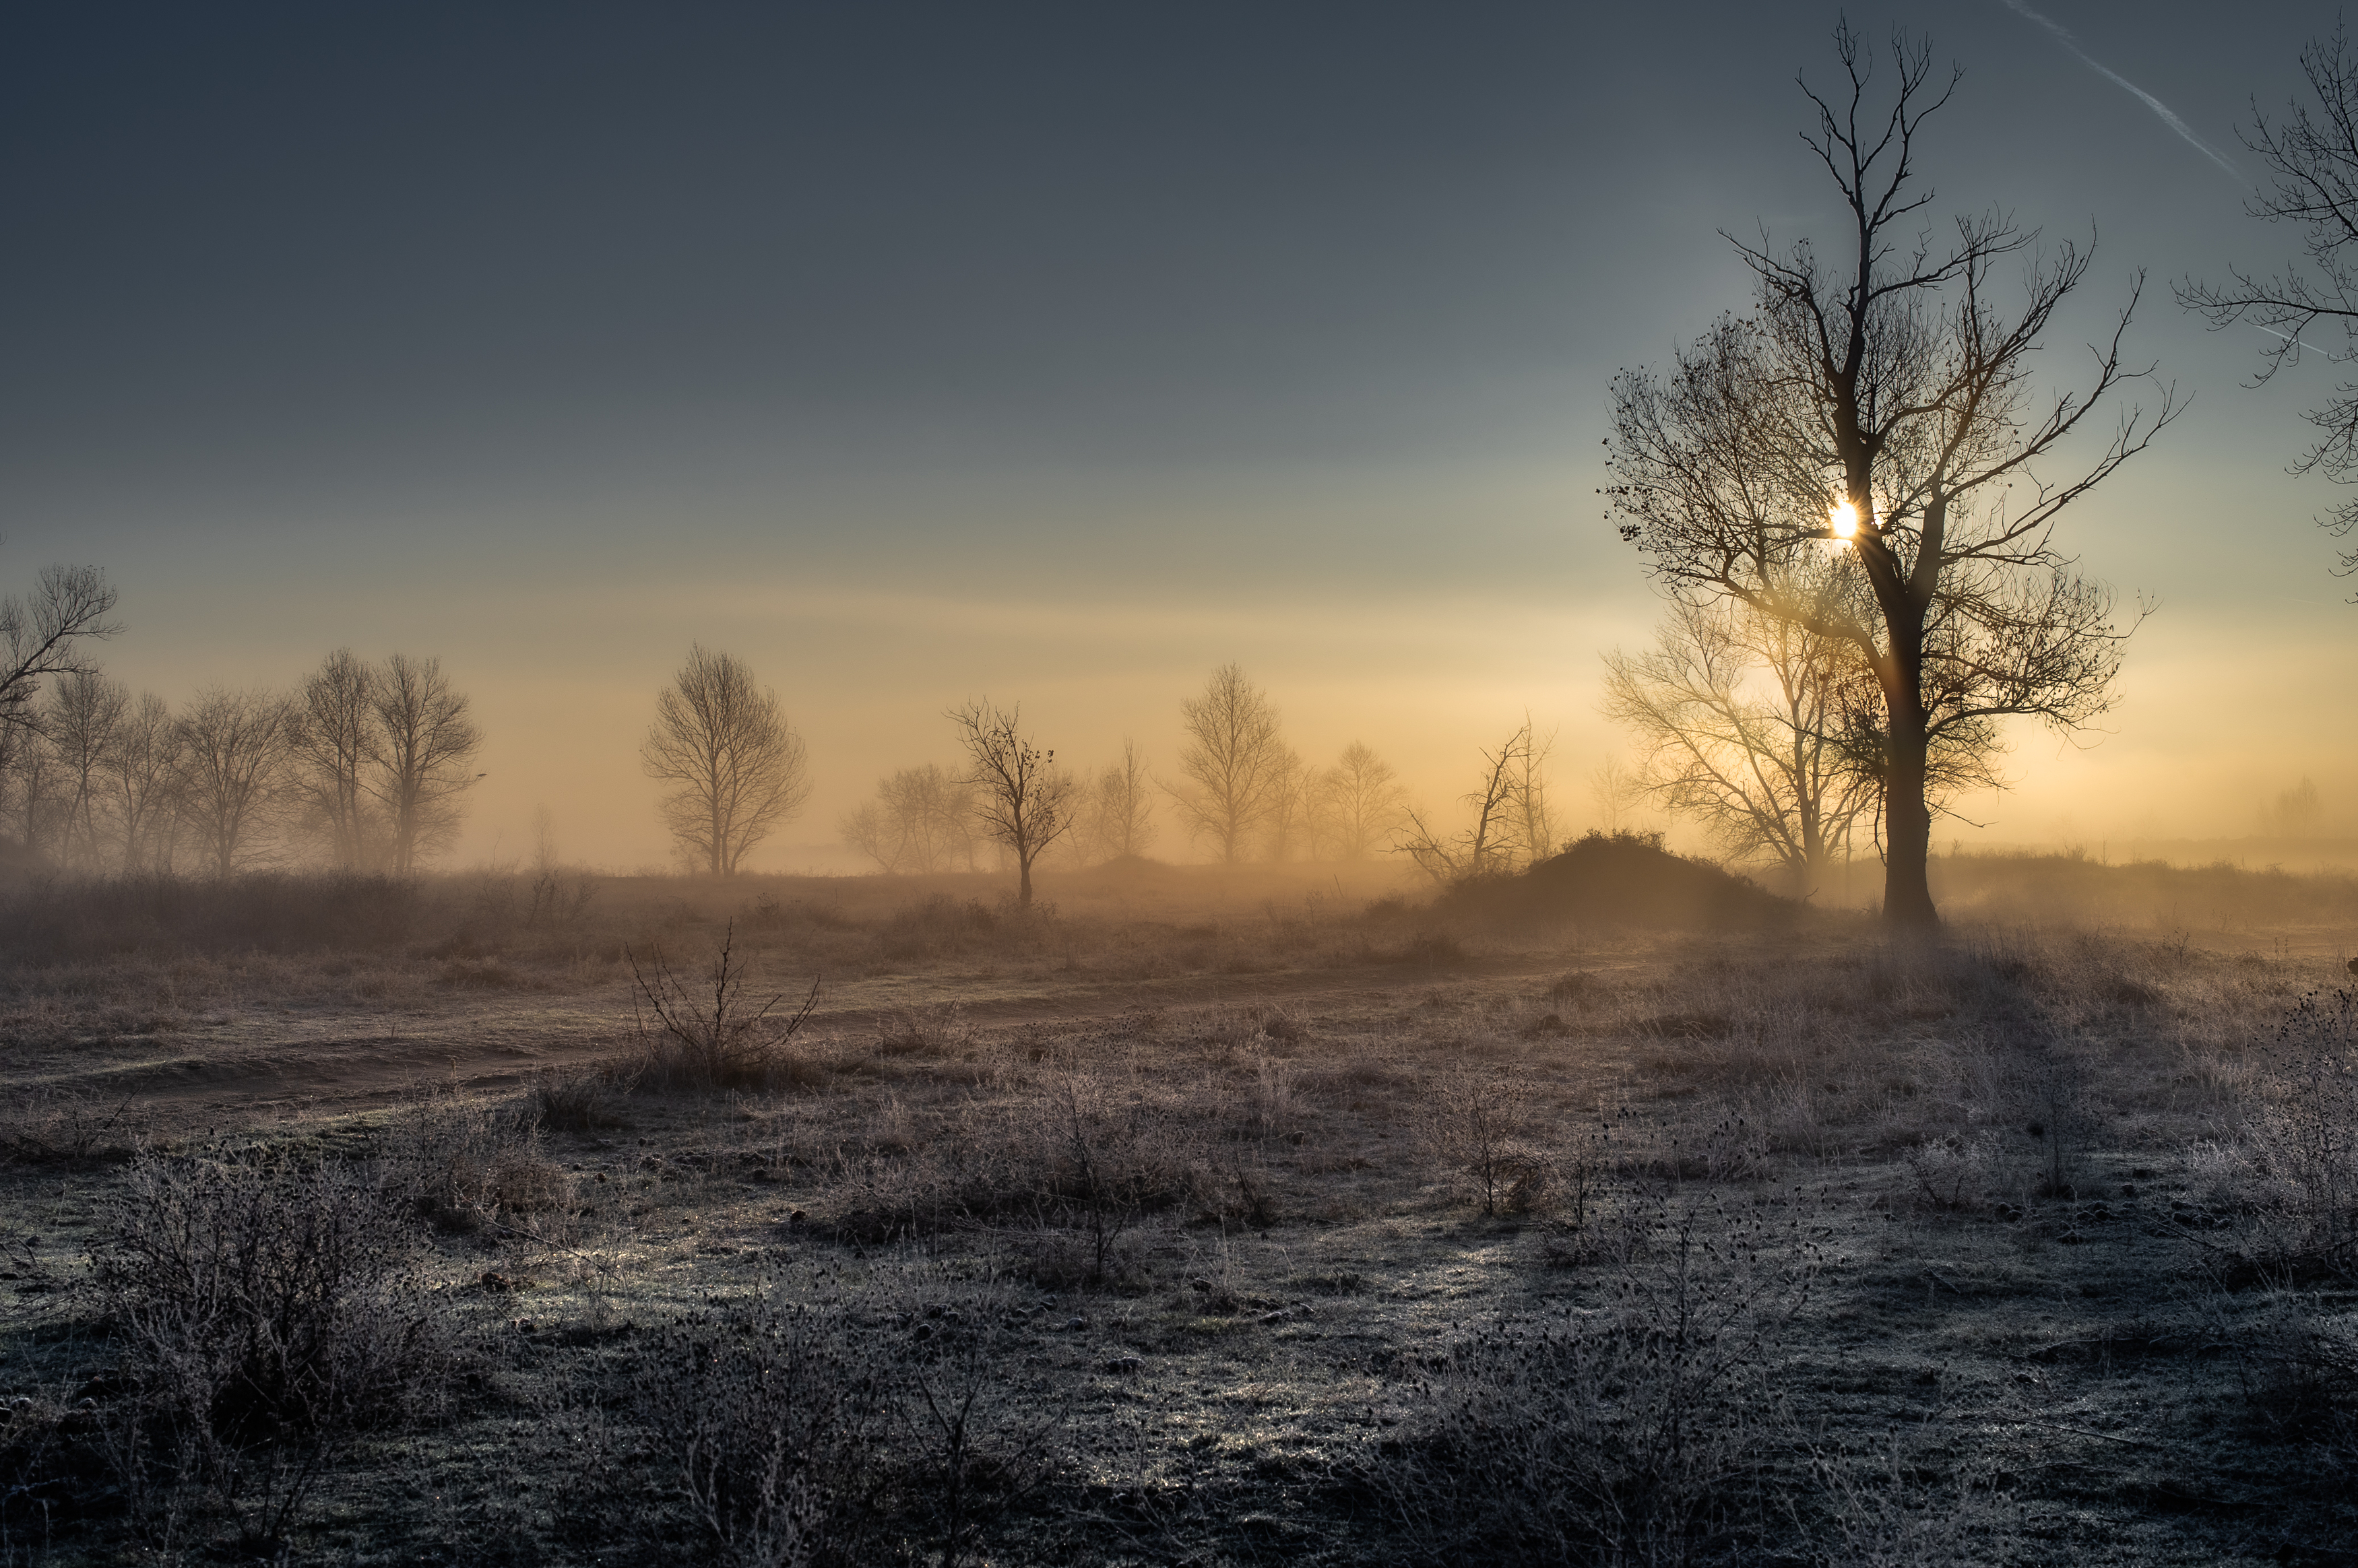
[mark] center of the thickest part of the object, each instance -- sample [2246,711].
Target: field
[1200,1218]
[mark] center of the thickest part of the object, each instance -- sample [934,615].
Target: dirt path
[266,1064]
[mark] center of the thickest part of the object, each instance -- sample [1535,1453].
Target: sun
[1843,517]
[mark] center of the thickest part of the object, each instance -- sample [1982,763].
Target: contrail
[2063,36]
[2295,342]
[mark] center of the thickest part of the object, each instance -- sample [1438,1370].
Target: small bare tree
[233,748]
[1616,792]
[1121,811]
[334,739]
[143,785]
[737,767]
[922,821]
[1530,812]
[1740,718]
[82,719]
[1490,845]
[2313,155]
[1022,798]
[1287,832]
[43,633]
[422,749]
[1233,762]
[1359,804]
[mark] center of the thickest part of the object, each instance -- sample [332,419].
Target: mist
[794,786]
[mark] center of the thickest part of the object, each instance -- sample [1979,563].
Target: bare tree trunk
[1907,820]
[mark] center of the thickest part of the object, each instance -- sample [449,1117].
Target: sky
[1059,353]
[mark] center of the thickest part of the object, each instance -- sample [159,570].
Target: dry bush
[835,1434]
[1474,1128]
[2299,1143]
[469,1165]
[1877,1510]
[267,1312]
[64,1127]
[1074,1154]
[590,1099]
[705,1032]
[1957,1171]
[935,1031]
[2298,1358]
[1632,1432]
[778,1419]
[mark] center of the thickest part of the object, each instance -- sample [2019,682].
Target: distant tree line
[364,764]
[1240,792]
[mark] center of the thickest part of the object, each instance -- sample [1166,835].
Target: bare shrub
[1629,1434]
[2299,1363]
[468,1165]
[777,1417]
[924,1032]
[589,1100]
[705,1032]
[1954,1172]
[978,1440]
[2300,1145]
[1077,1158]
[267,1310]
[1879,1511]
[1106,1156]
[819,1434]
[63,1127]
[1474,1128]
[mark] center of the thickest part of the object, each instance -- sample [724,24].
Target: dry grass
[1633,1251]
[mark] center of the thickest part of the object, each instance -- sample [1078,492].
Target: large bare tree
[421,752]
[1234,761]
[736,766]
[46,633]
[1882,405]
[2312,154]
[334,737]
[1022,798]
[233,748]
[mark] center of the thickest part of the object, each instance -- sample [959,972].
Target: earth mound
[1622,879]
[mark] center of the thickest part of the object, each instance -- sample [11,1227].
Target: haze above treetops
[999,369]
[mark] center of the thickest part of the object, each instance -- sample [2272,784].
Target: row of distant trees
[1241,792]
[734,769]
[364,764]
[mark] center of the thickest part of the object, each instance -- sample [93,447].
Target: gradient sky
[1059,353]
